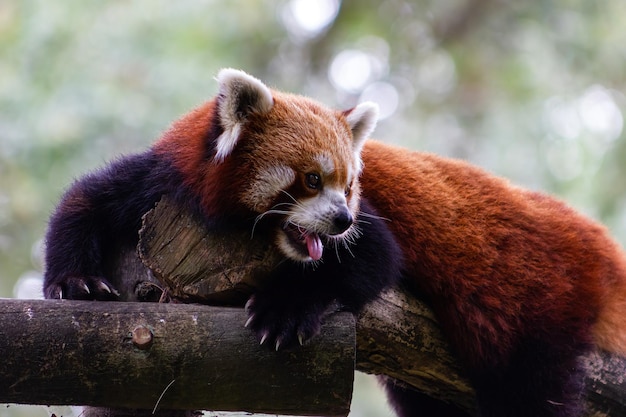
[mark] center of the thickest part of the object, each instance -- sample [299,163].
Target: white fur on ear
[239,96]
[362,120]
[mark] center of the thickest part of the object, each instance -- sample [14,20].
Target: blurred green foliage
[529,90]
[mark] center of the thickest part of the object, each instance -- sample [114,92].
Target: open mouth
[305,241]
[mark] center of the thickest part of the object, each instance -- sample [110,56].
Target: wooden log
[167,356]
[397,335]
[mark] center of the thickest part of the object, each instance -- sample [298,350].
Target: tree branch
[167,356]
[187,356]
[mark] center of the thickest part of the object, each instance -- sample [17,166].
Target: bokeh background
[531,90]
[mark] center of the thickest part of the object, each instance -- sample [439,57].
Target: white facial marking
[327,164]
[266,186]
[282,241]
[317,213]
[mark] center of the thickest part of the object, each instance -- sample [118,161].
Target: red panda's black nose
[343,220]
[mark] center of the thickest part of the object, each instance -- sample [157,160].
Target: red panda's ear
[239,96]
[362,120]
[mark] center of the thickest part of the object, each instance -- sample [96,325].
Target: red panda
[521,284]
[275,165]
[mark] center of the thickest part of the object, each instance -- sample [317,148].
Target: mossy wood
[397,335]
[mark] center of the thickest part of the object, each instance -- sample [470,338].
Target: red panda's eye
[347,190]
[313,181]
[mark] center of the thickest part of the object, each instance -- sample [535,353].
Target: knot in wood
[142,337]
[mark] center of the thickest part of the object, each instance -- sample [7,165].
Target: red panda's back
[497,261]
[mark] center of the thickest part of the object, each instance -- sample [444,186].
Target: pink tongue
[314,246]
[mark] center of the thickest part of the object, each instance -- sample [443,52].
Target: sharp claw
[301,339]
[248,304]
[249,321]
[104,287]
[277,344]
[263,339]
[85,288]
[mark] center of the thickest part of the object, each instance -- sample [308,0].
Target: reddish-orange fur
[491,256]
[522,285]
[291,117]
[499,263]
[186,142]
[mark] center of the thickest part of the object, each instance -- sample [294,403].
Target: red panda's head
[289,161]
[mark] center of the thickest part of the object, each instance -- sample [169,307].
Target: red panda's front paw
[282,324]
[85,288]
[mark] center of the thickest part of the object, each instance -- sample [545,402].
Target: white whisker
[284,204]
[337,251]
[295,201]
[349,251]
[373,216]
[260,217]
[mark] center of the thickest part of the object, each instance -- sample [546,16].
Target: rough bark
[156,356]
